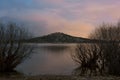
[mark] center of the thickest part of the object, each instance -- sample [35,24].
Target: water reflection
[55,48]
[49,59]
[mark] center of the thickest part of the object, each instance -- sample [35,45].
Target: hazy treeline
[100,58]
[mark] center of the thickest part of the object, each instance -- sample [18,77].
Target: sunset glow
[74,17]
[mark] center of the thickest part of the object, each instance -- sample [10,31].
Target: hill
[58,38]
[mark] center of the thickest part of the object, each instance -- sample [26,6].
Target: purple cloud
[75,17]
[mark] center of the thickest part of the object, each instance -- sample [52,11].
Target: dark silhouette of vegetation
[87,57]
[12,49]
[110,55]
[102,58]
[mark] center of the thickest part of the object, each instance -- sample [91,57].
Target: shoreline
[58,77]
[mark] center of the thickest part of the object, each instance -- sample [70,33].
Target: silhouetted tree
[110,55]
[102,56]
[12,48]
[87,57]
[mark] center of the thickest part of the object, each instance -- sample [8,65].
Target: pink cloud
[84,16]
[55,23]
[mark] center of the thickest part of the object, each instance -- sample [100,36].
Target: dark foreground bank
[54,77]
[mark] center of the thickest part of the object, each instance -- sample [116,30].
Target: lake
[53,59]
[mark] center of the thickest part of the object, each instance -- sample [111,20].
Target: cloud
[51,1]
[55,23]
[75,17]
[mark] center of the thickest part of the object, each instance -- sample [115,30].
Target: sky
[74,17]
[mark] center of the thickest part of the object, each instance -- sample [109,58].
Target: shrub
[102,56]
[12,48]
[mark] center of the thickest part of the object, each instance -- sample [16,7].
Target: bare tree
[87,57]
[110,49]
[103,56]
[12,48]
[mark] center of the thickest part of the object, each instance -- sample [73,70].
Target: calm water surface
[49,59]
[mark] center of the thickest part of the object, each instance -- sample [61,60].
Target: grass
[57,77]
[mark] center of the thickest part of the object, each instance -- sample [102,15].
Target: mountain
[58,37]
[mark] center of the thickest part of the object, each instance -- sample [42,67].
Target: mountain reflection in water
[55,48]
